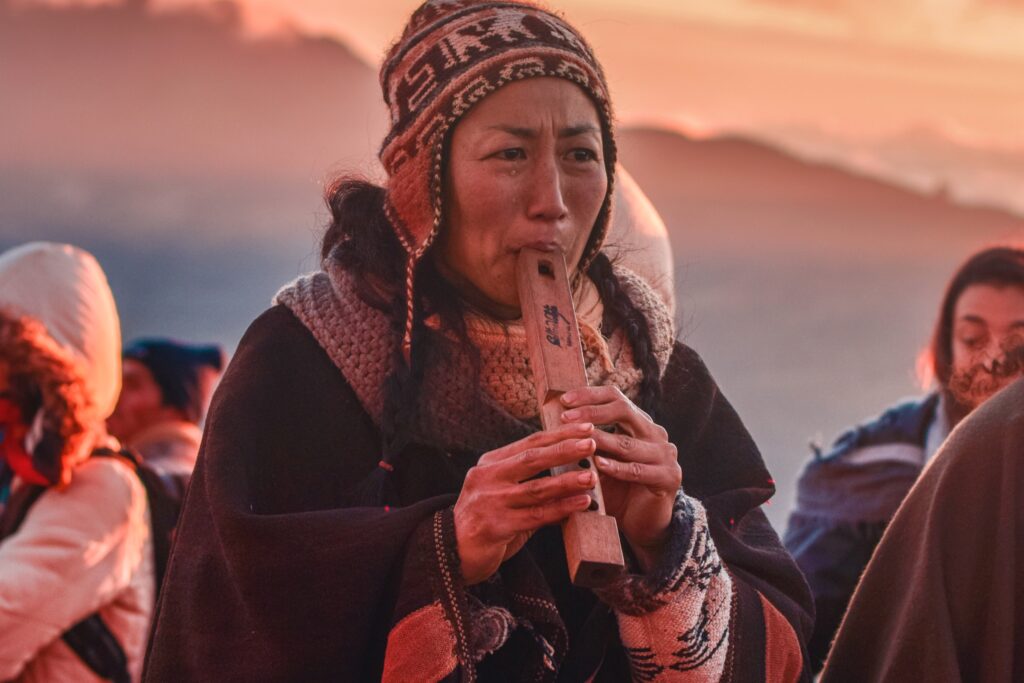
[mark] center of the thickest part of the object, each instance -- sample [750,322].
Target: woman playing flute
[367,502]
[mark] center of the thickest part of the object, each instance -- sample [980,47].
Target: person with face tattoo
[847,496]
[955,550]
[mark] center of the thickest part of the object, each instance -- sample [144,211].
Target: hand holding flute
[503,502]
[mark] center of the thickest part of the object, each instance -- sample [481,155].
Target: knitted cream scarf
[457,414]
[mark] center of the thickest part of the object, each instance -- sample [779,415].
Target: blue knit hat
[177,368]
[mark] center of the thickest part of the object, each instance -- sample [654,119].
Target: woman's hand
[501,504]
[639,467]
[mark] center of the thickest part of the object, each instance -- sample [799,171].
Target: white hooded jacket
[640,235]
[85,545]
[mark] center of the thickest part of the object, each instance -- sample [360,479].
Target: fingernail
[585,478]
[584,444]
[570,415]
[568,397]
[585,426]
[601,462]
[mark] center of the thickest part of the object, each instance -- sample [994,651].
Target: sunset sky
[955,65]
[926,92]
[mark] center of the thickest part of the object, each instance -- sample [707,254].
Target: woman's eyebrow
[517,131]
[579,129]
[975,319]
[531,133]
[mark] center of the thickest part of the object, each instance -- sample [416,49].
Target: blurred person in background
[847,495]
[77,581]
[941,598]
[165,389]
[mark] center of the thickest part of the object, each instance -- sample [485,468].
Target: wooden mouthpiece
[592,547]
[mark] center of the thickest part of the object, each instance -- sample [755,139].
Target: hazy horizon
[927,94]
[190,155]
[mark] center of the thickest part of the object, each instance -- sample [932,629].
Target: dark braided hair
[361,239]
[620,311]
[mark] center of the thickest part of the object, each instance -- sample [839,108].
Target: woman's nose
[546,198]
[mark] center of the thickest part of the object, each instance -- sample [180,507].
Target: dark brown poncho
[943,596]
[275,576]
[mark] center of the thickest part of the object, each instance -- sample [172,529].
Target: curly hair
[43,376]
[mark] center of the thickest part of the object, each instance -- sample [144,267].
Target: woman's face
[988,322]
[526,169]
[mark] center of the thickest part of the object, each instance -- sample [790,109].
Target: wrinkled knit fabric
[459,416]
[506,374]
[674,620]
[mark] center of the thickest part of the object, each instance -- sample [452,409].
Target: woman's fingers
[578,430]
[600,394]
[544,490]
[608,405]
[533,461]
[531,518]
[496,515]
[629,448]
[662,478]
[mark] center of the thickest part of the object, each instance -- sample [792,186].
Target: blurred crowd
[98,442]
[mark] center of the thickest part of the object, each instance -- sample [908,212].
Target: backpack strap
[98,648]
[91,639]
[165,493]
[17,508]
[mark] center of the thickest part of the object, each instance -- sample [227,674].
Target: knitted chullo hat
[452,54]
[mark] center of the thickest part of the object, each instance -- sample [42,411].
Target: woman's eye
[972,342]
[582,154]
[512,154]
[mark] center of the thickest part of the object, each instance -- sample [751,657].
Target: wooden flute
[592,547]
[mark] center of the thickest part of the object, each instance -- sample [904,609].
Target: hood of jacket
[60,334]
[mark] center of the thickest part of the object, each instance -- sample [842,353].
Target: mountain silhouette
[127,88]
[738,193]
[808,289]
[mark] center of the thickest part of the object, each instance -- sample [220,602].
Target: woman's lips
[541,246]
